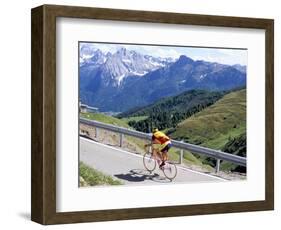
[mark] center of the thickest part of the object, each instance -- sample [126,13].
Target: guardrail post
[218,165]
[121,139]
[96,132]
[181,155]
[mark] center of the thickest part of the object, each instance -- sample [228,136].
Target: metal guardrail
[219,155]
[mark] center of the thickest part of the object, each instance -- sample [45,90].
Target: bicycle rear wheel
[149,162]
[170,170]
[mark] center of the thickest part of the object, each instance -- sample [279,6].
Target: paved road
[128,167]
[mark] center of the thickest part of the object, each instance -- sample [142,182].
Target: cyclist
[164,142]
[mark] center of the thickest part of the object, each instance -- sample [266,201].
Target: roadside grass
[93,177]
[137,142]
[227,166]
[190,159]
[136,118]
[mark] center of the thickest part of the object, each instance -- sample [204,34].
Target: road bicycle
[151,160]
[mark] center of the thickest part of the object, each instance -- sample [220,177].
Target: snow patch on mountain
[121,64]
[202,76]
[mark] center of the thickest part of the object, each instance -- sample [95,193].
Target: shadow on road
[140,175]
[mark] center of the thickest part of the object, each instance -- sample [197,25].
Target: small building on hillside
[83,108]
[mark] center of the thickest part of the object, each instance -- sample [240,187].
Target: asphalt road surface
[128,167]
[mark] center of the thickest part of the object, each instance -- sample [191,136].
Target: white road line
[137,155]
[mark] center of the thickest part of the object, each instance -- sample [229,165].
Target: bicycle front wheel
[170,171]
[149,162]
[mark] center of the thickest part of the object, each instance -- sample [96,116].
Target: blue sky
[220,55]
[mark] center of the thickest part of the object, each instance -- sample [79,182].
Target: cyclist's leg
[159,154]
[165,155]
[164,152]
[155,152]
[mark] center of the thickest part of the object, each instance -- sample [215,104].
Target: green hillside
[183,101]
[105,119]
[168,112]
[134,118]
[214,126]
[237,146]
[221,126]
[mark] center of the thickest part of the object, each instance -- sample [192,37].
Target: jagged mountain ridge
[126,79]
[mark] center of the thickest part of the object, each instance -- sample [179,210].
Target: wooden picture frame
[43,189]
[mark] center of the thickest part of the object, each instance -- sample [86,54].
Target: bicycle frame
[156,156]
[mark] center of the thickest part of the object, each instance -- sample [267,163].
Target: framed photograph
[139,114]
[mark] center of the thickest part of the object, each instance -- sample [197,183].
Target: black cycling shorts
[166,148]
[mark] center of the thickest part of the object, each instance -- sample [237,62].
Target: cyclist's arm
[155,141]
[152,142]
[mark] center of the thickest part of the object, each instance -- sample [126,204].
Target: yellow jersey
[161,137]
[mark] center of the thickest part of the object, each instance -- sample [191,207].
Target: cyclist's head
[155,130]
